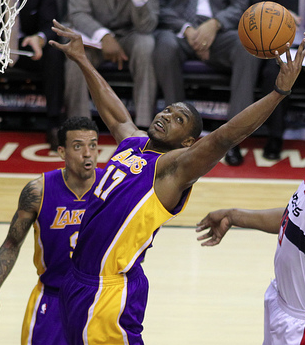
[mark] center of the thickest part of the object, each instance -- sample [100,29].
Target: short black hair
[198,125]
[73,124]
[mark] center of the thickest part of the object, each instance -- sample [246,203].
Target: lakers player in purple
[55,205]
[146,182]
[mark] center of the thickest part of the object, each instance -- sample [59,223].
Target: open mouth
[160,125]
[88,165]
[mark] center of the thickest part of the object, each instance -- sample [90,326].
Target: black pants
[51,67]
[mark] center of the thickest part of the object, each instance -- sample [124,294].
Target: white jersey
[289,261]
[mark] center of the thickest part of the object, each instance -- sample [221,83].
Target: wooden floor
[197,295]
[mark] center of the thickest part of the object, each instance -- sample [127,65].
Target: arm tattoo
[10,248]
[24,217]
[29,197]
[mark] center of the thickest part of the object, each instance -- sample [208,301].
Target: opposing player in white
[285,297]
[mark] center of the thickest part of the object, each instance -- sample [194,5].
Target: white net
[9,10]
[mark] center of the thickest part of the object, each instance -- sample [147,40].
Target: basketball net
[9,10]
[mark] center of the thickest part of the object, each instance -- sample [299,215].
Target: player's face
[172,127]
[80,153]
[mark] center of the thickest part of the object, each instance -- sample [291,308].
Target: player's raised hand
[74,48]
[290,70]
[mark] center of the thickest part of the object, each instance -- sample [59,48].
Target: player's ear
[188,142]
[62,152]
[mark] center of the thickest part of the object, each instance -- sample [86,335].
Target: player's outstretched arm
[247,121]
[220,221]
[112,111]
[206,152]
[28,206]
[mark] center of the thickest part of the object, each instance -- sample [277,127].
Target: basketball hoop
[9,11]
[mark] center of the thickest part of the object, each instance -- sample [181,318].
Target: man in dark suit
[35,20]
[275,124]
[205,30]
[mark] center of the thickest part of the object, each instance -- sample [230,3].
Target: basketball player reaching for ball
[285,297]
[146,182]
[55,203]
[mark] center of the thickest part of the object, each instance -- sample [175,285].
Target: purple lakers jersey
[123,213]
[57,226]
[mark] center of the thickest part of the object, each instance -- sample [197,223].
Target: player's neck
[155,145]
[79,185]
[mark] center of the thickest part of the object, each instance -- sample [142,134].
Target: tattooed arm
[28,206]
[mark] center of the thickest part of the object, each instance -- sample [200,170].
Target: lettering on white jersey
[296,210]
[291,224]
[66,217]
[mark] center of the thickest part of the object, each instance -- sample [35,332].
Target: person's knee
[166,51]
[242,58]
[144,46]
[240,51]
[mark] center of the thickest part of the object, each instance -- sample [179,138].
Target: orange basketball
[266,27]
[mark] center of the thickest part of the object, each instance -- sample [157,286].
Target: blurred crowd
[153,38]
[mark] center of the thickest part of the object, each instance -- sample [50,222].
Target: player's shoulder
[133,142]
[31,193]
[35,185]
[98,171]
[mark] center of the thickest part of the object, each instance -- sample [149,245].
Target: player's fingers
[202,226]
[60,26]
[288,55]
[66,34]
[55,44]
[62,30]
[278,58]
[300,51]
[57,24]
[204,236]
[212,242]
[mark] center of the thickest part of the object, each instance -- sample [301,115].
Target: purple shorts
[104,310]
[42,322]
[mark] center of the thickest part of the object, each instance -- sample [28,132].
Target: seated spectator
[269,70]
[124,29]
[275,125]
[35,22]
[205,30]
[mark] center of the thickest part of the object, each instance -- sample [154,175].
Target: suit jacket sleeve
[89,16]
[169,17]
[227,12]
[230,15]
[36,16]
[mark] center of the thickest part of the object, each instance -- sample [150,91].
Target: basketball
[266,27]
